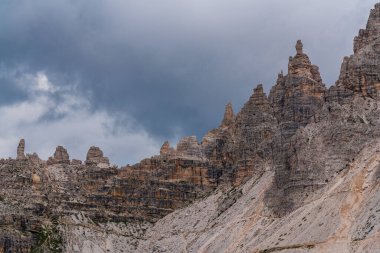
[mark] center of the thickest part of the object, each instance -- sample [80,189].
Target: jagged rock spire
[256,105]
[228,118]
[300,65]
[166,149]
[21,150]
[258,97]
[297,96]
[360,73]
[299,47]
[371,33]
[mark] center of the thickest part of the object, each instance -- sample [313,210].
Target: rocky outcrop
[166,149]
[189,147]
[61,155]
[95,156]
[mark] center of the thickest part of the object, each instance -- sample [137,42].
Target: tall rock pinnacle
[300,65]
[21,150]
[228,118]
[297,96]
[299,47]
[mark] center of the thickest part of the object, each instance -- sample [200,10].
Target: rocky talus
[297,170]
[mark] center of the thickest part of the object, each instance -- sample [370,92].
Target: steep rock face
[296,99]
[360,73]
[189,147]
[253,132]
[341,217]
[19,206]
[347,119]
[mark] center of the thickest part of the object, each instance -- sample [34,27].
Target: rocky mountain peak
[300,65]
[370,34]
[360,73]
[296,97]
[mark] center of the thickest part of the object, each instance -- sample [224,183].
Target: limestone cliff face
[253,133]
[360,72]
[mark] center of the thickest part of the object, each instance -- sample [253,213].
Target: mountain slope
[343,216]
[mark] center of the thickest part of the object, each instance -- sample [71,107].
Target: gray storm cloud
[170,65]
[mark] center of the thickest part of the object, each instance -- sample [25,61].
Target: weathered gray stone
[61,155]
[21,150]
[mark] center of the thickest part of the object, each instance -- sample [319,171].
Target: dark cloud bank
[170,65]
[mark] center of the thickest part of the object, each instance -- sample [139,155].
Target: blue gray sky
[126,75]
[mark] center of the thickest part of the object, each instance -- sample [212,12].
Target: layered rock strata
[95,156]
[60,156]
[290,154]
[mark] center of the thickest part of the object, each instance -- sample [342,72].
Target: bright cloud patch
[52,116]
[42,82]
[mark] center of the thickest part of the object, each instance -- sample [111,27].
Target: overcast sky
[127,75]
